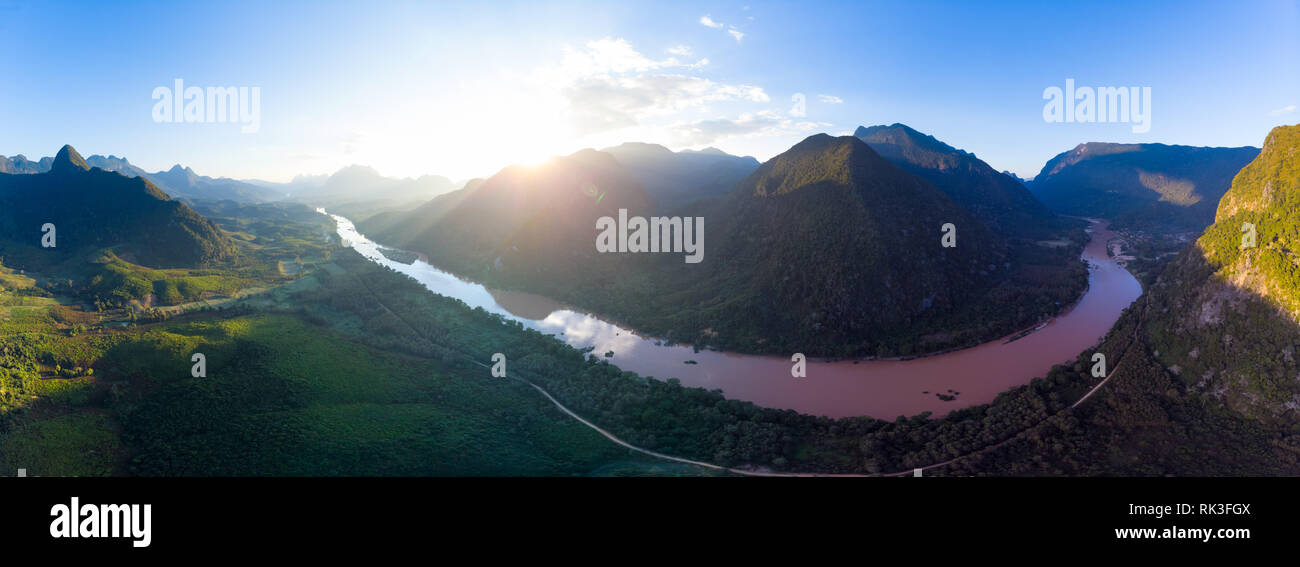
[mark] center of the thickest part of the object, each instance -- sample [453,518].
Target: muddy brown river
[882,389]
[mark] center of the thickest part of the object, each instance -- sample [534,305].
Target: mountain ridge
[1002,201]
[1153,186]
[93,208]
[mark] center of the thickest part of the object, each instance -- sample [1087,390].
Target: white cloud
[608,85]
[608,102]
[1284,110]
[830,99]
[682,50]
[610,56]
[762,123]
[708,21]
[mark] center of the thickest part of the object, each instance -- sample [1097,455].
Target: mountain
[829,239]
[1002,201]
[183,183]
[114,163]
[827,248]
[20,164]
[1203,368]
[359,191]
[1022,180]
[93,208]
[1149,186]
[178,182]
[537,220]
[1225,316]
[674,178]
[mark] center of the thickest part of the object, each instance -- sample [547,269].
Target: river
[882,389]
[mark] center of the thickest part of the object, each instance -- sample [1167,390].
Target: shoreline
[881,388]
[1002,339]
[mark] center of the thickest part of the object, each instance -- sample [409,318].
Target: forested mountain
[1204,366]
[827,248]
[829,239]
[1000,200]
[1141,186]
[1226,314]
[96,208]
[542,217]
[674,178]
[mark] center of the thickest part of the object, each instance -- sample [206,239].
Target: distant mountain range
[95,208]
[1141,186]
[179,182]
[1022,180]
[358,190]
[20,164]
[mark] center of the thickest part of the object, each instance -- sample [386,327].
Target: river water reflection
[879,388]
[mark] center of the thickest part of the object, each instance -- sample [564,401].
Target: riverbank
[937,384]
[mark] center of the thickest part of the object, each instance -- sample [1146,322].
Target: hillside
[536,222]
[828,239]
[94,208]
[827,248]
[1226,317]
[1152,187]
[1001,200]
[675,178]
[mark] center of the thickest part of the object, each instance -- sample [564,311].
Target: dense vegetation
[1042,435]
[827,249]
[347,368]
[673,178]
[999,200]
[93,208]
[358,370]
[87,392]
[1230,312]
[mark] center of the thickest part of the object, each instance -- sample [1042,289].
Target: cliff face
[1225,316]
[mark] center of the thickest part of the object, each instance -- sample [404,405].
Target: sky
[462,89]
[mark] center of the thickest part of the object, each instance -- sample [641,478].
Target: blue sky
[462,89]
